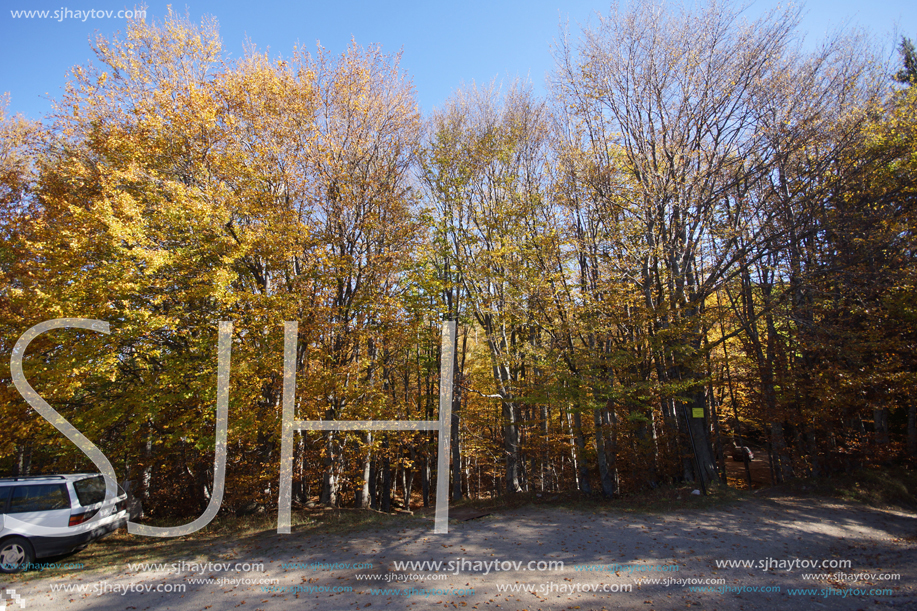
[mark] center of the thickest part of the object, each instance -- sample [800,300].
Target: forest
[702,237]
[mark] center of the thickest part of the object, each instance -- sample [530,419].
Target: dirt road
[511,560]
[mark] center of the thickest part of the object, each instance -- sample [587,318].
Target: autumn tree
[19,142]
[180,190]
[484,171]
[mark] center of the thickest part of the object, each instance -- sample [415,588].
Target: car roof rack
[24,478]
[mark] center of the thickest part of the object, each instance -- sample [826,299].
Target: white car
[49,515]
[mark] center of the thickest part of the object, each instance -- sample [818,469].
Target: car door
[43,505]
[4,497]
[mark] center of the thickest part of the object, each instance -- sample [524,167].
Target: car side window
[4,497]
[43,497]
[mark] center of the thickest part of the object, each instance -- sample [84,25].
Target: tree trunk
[714,412]
[511,447]
[330,484]
[456,446]
[698,438]
[373,486]
[880,417]
[386,504]
[425,475]
[599,417]
[363,494]
[409,484]
[23,460]
[912,429]
[580,441]
[147,477]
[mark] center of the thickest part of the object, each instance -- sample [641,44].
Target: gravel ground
[768,530]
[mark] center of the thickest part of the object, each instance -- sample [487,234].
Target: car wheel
[16,555]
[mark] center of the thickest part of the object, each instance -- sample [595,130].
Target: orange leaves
[185,189]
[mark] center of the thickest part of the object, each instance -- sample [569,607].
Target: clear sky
[444,42]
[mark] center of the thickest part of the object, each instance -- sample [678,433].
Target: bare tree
[688,106]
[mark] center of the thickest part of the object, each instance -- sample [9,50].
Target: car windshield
[90,490]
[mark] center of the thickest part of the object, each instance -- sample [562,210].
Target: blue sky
[444,43]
